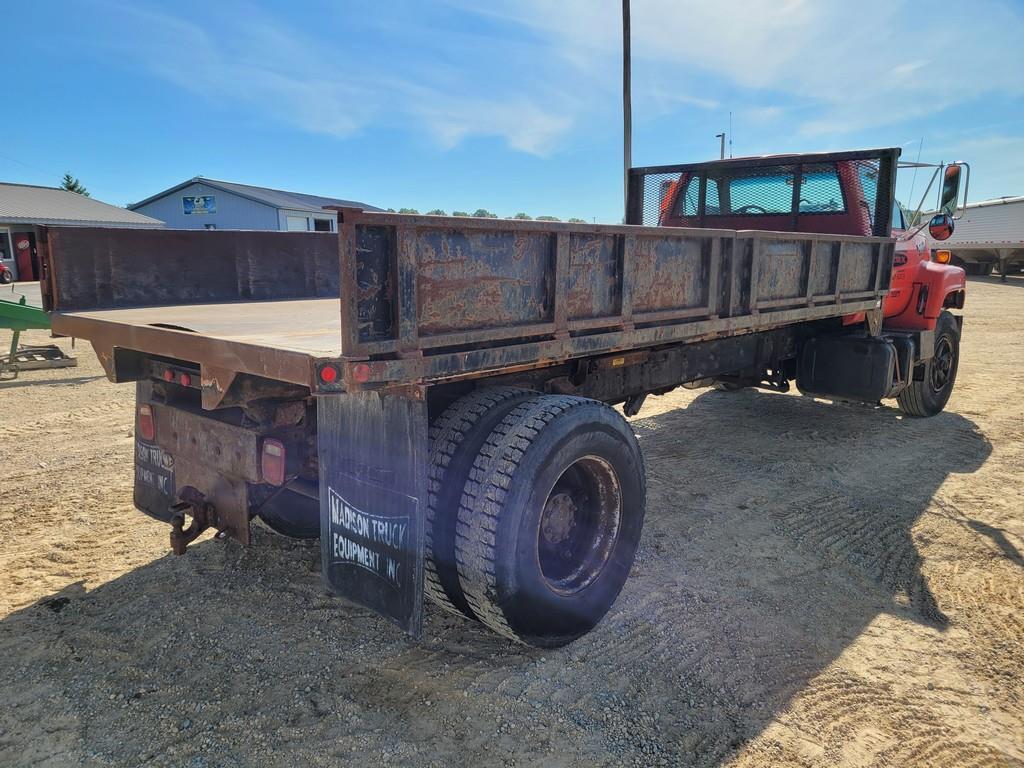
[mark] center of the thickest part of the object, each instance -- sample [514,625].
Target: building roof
[276,198]
[1005,200]
[28,204]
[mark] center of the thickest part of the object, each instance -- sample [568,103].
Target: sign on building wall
[199,204]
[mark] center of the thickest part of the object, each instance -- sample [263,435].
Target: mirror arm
[920,205]
[910,233]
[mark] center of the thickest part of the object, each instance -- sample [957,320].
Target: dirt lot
[817,585]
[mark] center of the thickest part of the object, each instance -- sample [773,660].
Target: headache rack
[833,192]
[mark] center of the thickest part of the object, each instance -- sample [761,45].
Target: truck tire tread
[482,499]
[448,435]
[916,399]
[484,502]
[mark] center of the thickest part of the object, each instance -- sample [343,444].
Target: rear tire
[550,519]
[455,438]
[929,396]
[6,276]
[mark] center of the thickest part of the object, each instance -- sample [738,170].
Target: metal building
[26,207]
[202,203]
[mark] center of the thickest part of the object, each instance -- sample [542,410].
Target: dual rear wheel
[536,507]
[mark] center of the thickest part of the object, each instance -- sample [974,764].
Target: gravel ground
[816,585]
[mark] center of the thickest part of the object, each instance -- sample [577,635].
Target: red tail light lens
[361,372]
[147,426]
[329,374]
[272,459]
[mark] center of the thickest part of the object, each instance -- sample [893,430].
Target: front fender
[932,285]
[942,280]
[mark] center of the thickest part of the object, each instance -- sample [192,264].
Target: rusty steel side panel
[471,280]
[425,298]
[670,273]
[105,268]
[427,283]
[593,288]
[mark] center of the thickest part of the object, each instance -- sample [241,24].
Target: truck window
[868,173]
[689,205]
[898,221]
[820,190]
[753,195]
[691,197]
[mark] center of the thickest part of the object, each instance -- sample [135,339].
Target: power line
[32,167]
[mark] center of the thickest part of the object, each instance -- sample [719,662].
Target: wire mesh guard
[837,193]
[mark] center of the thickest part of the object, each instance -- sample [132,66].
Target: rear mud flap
[373,477]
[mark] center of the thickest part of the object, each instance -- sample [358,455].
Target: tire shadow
[777,529]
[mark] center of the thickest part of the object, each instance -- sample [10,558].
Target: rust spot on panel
[505,282]
[669,273]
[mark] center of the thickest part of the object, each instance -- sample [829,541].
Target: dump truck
[433,397]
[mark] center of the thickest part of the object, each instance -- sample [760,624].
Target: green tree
[548,218]
[71,184]
[483,213]
[575,220]
[459,213]
[407,210]
[436,212]
[523,216]
[392,210]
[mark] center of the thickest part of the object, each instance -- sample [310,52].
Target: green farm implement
[20,316]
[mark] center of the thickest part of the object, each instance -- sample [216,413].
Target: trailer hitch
[203,515]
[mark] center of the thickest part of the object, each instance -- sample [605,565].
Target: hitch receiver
[202,512]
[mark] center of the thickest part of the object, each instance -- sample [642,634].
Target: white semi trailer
[989,235]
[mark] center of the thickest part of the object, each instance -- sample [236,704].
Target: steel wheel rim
[579,525]
[942,364]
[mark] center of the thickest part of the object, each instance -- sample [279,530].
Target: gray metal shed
[202,203]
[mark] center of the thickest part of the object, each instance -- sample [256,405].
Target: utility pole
[627,111]
[721,151]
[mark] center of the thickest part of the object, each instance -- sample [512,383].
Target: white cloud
[867,64]
[817,67]
[283,74]
[523,125]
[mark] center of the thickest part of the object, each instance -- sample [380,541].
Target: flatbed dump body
[431,396]
[435,298]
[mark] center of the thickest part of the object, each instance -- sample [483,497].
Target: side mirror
[941,226]
[950,190]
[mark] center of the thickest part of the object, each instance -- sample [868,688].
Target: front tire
[929,396]
[550,519]
[6,276]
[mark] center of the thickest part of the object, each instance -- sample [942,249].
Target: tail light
[272,459]
[942,256]
[147,425]
[329,373]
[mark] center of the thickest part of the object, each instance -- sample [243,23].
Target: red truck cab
[838,196]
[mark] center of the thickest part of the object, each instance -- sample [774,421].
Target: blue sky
[508,105]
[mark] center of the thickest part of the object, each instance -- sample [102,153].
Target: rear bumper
[196,457]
